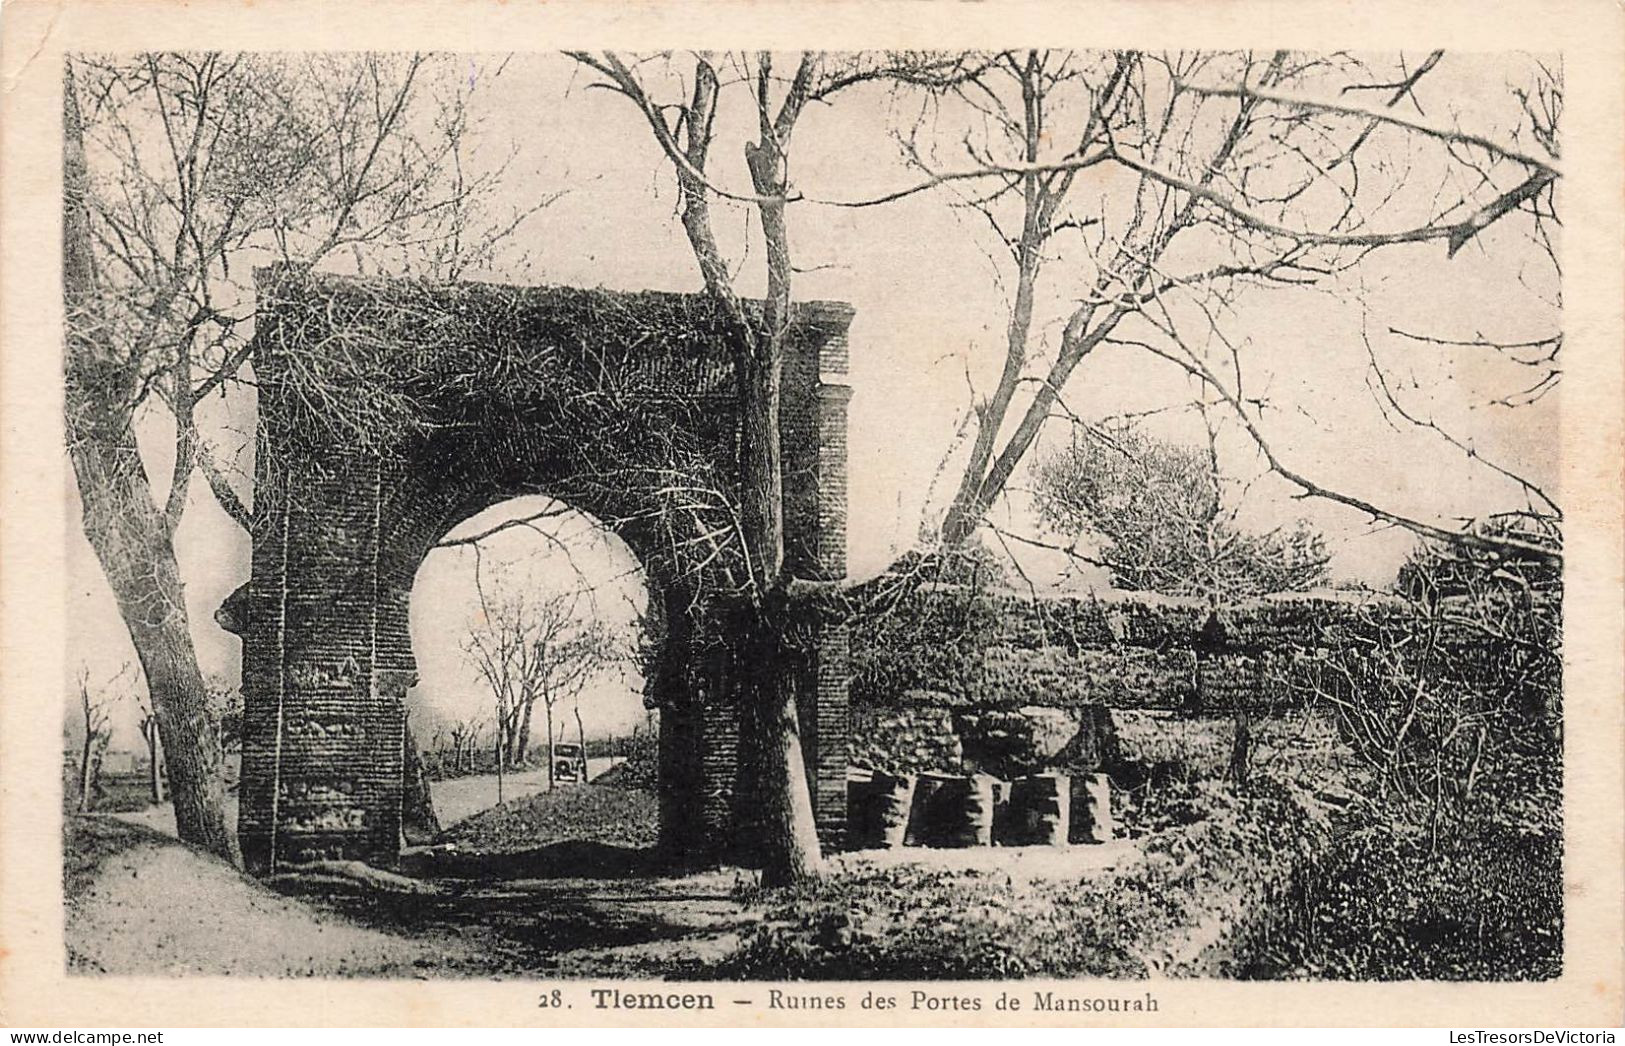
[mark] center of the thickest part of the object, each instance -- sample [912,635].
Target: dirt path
[126,917]
[139,903]
[461,797]
[454,800]
[571,927]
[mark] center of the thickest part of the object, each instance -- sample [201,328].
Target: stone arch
[514,551]
[389,411]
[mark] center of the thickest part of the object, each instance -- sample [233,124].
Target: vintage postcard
[811,514]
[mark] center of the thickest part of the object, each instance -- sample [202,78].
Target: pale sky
[930,319]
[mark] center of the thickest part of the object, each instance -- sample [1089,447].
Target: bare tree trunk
[547,710]
[499,747]
[757,351]
[581,738]
[418,820]
[87,772]
[791,851]
[1241,747]
[521,746]
[129,536]
[140,564]
[970,501]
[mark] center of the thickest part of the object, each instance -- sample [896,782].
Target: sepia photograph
[1069,519]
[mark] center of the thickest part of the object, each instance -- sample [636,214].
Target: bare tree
[1461,695]
[464,736]
[1163,517]
[679,100]
[1161,192]
[534,649]
[419,822]
[181,171]
[1208,174]
[155,750]
[94,705]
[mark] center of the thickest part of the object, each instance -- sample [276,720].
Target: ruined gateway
[389,412]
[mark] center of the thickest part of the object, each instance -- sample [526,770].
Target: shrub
[1381,904]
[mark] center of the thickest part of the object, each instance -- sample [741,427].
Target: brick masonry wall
[1007,651]
[339,536]
[322,759]
[958,682]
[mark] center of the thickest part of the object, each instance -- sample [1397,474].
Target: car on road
[569,764]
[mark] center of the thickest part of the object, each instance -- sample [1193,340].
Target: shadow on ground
[531,888]
[569,858]
[569,908]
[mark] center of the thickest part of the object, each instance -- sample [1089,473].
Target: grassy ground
[580,813]
[122,792]
[1387,900]
[1169,913]
[1212,858]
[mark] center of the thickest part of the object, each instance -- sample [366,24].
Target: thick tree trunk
[521,745]
[125,529]
[791,851]
[136,554]
[418,820]
[758,361]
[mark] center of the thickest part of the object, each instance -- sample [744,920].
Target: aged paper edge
[34,990]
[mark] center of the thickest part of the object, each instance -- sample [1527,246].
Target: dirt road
[454,800]
[465,796]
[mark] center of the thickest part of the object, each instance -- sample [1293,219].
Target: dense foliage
[1165,521]
[1453,866]
[1381,903]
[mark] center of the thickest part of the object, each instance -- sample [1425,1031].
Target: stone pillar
[323,719]
[830,668]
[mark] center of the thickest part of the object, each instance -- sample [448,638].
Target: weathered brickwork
[1007,651]
[956,681]
[341,530]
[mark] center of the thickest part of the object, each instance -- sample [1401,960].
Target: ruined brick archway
[389,412]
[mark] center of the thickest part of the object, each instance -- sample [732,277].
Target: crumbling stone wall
[959,681]
[925,731]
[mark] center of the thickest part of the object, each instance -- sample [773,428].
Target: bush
[1452,866]
[1381,904]
[640,768]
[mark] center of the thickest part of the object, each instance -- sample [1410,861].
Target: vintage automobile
[569,764]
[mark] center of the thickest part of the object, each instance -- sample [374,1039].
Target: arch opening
[529,631]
